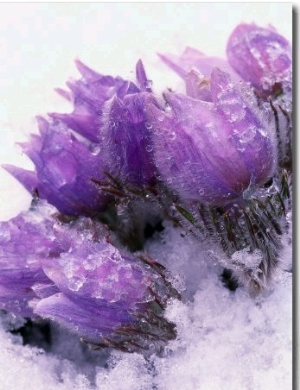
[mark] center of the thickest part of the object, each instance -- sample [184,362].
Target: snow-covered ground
[226,339]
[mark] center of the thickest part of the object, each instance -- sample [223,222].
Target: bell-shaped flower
[107,298]
[70,273]
[64,169]
[212,150]
[261,56]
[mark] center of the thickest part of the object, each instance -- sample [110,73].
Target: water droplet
[248,134]
[172,136]
[201,192]
[95,149]
[148,125]
[75,284]
[149,83]
[149,148]
[168,108]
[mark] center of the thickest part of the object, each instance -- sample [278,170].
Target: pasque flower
[64,168]
[72,275]
[255,54]
[25,241]
[261,56]
[110,112]
[210,154]
[212,151]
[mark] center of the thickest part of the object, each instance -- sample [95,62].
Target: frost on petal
[190,153]
[212,151]
[24,242]
[106,297]
[260,56]
[252,133]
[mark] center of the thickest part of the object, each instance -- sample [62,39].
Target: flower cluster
[216,159]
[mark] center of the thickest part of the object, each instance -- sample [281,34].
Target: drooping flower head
[212,151]
[70,274]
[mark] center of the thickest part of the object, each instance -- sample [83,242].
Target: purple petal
[211,156]
[27,178]
[143,82]
[260,56]
[183,63]
[192,59]
[24,242]
[127,135]
[252,134]
[83,123]
[198,86]
[64,179]
[92,320]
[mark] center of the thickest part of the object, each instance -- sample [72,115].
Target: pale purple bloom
[88,96]
[261,56]
[255,54]
[71,274]
[194,60]
[64,169]
[211,151]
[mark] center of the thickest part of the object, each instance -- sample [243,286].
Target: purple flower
[88,96]
[254,54]
[65,167]
[24,242]
[212,150]
[194,60]
[261,56]
[128,151]
[70,274]
[110,112]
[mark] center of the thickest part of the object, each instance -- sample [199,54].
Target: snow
[226,339]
